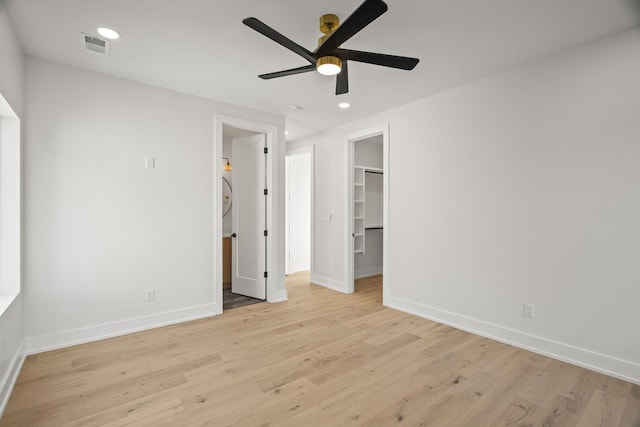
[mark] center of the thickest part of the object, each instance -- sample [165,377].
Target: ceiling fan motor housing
[328,24]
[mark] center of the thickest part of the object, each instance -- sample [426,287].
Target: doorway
[243,217]
[271,275]
[367,209]
[299,197]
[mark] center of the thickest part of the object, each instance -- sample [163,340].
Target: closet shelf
[369,169]
[373,227]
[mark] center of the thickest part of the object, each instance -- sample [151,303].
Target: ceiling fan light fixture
[329,65]
[329,58]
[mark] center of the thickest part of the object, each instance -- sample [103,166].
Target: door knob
[234,235]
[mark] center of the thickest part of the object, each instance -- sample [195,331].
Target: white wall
[11,320]
[369,263]
[299,205]
[518,188]
[368,152]
[100,229]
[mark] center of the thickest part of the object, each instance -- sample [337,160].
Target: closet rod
[377,172]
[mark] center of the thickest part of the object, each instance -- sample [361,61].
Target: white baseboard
[10,377]
[328,283]
[367,272]
[108,330]
[608,365]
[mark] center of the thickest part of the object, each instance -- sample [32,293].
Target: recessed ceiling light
[344,105]
[108,33]
[286,132]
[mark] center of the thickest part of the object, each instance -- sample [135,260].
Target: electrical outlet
[150,295]
[150,163]
[528,310]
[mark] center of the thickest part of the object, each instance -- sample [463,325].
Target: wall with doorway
[328,224]
[101,228]
[518,188]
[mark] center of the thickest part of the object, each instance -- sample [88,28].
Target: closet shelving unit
[358,210]
[363,218]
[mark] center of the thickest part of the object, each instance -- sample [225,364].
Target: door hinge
[266,150]
[265,274]
[266,191]
[266,233]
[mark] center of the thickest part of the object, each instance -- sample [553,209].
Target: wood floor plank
[562,412]
[518,413]
[631,417]
[322,358]
[146,417]
[603,410]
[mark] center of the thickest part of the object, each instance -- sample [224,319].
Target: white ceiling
[202,48]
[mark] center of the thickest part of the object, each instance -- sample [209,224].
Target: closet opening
[368,211]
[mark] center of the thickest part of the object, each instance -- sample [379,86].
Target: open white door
[249,217]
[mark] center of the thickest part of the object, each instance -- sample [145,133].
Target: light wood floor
[320,359]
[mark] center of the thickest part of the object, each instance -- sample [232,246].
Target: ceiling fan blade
[290,72]
[342,80]
[269,32]
[393,61]
[365,14]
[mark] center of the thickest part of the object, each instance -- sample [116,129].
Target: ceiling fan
[329,58]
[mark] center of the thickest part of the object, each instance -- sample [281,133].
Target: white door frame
[350,140]
[311,149]
[273,255]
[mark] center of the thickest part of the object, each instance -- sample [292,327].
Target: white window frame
[10,205]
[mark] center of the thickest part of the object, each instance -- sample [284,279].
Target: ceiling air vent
[94,44]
